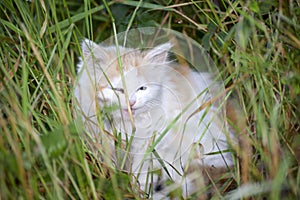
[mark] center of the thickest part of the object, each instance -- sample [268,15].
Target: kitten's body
[158,91]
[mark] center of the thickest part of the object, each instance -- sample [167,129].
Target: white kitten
[157,97]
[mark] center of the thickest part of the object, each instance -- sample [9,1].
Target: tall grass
[255,44]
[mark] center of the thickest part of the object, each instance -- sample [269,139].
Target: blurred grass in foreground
[41,153]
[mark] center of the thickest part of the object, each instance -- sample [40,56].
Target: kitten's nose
[131,102]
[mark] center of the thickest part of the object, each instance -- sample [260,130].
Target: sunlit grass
[256,47]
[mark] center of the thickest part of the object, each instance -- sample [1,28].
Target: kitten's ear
[158,54]
[87,47]
[91,50]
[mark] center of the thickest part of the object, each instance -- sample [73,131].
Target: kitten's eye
[119,90]
[143,88]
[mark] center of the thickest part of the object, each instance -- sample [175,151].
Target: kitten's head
[144,74]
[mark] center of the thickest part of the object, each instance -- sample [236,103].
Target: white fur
[158,93]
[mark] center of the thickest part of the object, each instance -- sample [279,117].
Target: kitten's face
[143,75]
[143,94]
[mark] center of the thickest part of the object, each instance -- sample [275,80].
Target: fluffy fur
[153,103]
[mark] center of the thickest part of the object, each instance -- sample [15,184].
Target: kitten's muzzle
[131,103]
